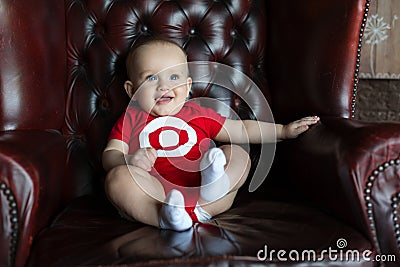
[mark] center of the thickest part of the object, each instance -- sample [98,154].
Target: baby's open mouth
[164,99]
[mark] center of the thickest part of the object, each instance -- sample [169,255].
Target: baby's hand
[143,158]
[294,129]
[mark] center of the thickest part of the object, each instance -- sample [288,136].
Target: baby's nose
[162,85]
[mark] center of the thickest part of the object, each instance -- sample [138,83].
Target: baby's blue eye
[151,78]
[174,77]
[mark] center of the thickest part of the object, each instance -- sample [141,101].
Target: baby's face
[160,83]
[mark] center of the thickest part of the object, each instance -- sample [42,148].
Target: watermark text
[330,254]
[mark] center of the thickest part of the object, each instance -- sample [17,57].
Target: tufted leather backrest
[99,35]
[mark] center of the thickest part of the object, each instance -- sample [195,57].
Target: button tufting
[104,103]
[192,31]
[144,28]
[99,30]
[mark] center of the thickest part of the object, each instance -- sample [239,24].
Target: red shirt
[179,140]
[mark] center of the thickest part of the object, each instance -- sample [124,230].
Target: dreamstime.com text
[330,254]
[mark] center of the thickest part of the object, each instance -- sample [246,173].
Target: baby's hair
[147,41]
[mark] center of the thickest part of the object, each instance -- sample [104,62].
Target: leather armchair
[61,77]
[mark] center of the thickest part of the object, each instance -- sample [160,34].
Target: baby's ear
[189,82]
[129,88]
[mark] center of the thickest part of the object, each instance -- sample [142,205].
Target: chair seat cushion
[90,232]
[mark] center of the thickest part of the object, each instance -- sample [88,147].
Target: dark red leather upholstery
[30,76]
[61,76]
[313,64]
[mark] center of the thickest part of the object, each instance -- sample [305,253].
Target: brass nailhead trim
[370,206]
[357,70]
[6,191]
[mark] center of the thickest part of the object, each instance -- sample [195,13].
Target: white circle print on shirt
[169,138]
[224,82]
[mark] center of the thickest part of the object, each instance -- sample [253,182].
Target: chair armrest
[351,169]
[32,164]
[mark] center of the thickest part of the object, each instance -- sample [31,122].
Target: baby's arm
[250,131]
[294,129]
[116,153]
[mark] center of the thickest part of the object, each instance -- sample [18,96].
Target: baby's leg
[127,195]
[236,169]
[138,194]
[214,181]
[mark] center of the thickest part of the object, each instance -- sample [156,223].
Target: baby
[161,169]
